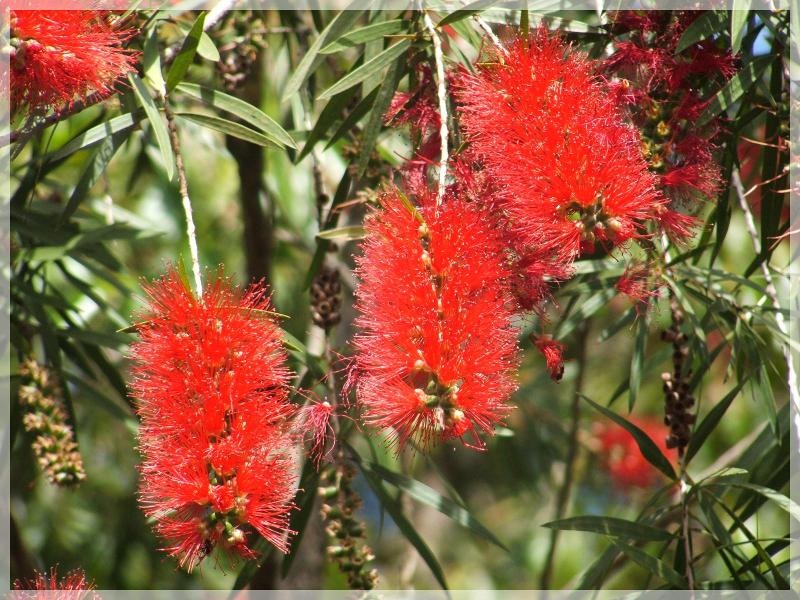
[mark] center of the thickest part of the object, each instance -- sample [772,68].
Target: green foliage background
[93,215]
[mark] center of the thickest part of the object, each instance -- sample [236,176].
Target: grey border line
[793,301]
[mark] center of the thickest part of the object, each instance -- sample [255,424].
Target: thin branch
[185,200]
[490,33]
[769,287]
[565,490]
[441,86]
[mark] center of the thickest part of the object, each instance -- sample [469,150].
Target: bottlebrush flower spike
[436,354]
[569,169]
[210,379]
[47,586]
[59,56]
[668,91]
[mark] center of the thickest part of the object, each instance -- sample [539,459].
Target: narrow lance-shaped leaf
[653,565]
[365,34]
[312,59]
[647,447]
[366,70]
[427,495]
[611,526]
[186,55]
[156,122]
[705,26]
[382,101]
[95,167]
[637,361]
[230,128]
[391,506]
[735,88]
[244,110]
[709,423]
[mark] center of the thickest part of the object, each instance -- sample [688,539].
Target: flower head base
[210,379]
[48,586]
[569,170]
[60,56]
[436,352]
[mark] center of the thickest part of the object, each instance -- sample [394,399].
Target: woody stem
[572,453]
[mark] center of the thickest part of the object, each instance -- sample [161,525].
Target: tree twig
[442,91]
[490,33]
[183,188]
[572,453]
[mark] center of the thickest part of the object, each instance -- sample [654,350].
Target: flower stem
[444,134]
[183,188]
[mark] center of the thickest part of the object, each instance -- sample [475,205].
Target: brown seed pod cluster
[55,447]
[326,291]
[239,53]
[677,393]
[346,532]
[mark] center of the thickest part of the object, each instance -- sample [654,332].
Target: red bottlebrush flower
[59,56]
[553,352]
[667,92]
[640,283]
[569,170]
[210,379]
[74,586]
[621,456]
[436,351]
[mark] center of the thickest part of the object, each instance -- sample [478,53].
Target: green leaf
[406,528]
[96,134]
[231,128]
[95,167]
[709,423]
[646,446]
[366,70]
[611,526]
[327,117]
[763,394]
[705,26]
[735,88]
[351,122]
[207,49]
[244,110]
[592,577]
[157,123]
[347,233]
[186,55]
[382,101]
[365,34]
[784,502]
[637,361]
[304,500]
[341,23]
[585,310]
[738,21]
[427,495]
[653,565]
[467,11]
[151,63]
